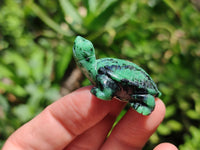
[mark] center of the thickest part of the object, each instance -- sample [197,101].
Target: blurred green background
[162,36]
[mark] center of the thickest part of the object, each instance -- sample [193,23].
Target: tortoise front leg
[105,89]
[143,103]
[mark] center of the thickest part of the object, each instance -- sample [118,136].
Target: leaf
[37,95]
[174,125]
[21,66]
[23,112]
[163,130]
[63,60]
[192,140]
[91,5]
[170,111]
[103,14]
[4,103]
[119,117]
[172,5]
[15,89]
[47,20]
[48,66]
[70,11]
[129,14]
[5,72]
[37,64]
[193,114]
[52,94]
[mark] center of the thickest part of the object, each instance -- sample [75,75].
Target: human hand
[80,121]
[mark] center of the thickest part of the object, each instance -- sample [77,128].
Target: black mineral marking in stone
[87,59]
[102,70]
[94,91]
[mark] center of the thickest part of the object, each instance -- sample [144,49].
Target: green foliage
[192,141]
[36,39]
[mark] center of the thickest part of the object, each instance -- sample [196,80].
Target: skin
[82,121]
[115,77]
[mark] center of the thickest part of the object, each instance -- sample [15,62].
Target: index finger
[134,129]
[62,121]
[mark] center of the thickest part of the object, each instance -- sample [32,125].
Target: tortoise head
[83,49]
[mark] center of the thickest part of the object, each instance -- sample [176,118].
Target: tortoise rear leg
[143,103]
[105,89]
